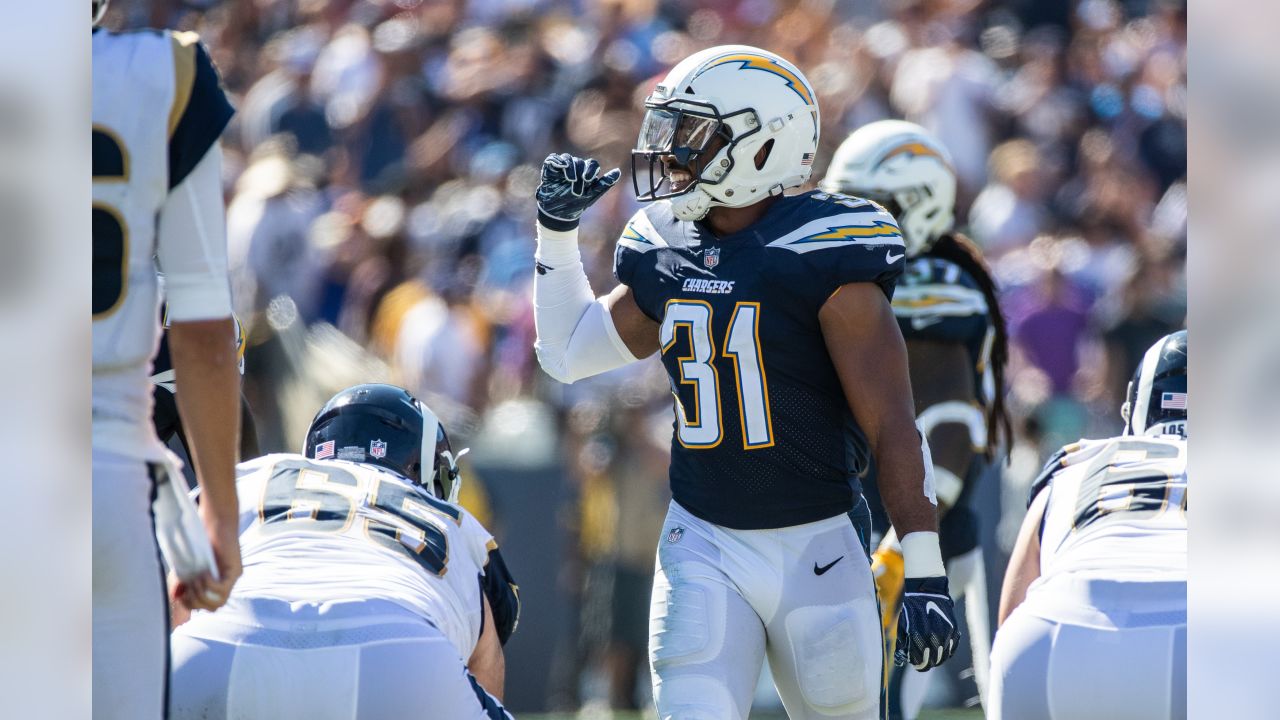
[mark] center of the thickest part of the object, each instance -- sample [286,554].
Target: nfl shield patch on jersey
[377,448]
[711,258]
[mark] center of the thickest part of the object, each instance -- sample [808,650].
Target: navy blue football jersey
[938,300]
[763,435]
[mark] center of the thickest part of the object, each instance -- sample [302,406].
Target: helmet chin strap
[455,483]
[692,206]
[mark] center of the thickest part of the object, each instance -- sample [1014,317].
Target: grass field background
[973,714]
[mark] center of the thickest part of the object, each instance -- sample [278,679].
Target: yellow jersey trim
[184,75]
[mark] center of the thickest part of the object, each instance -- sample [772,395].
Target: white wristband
[557,249]
[922,555]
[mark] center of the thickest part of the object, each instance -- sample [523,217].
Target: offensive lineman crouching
[1094,608]
[365,583]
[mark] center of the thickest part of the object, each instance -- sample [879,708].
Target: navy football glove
[569,186]
[927,632]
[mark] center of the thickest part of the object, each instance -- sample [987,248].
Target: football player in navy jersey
[772,315]
[949,313]
[164,395]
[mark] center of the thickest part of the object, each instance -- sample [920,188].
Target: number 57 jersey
[764,437]
[334,531]
[1117,509]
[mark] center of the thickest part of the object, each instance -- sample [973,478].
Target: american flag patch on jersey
[325,450]
[806,159]
[1173,401]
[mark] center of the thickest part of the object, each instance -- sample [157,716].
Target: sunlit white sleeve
[192,244]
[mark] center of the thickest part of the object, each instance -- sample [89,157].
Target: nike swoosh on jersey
[890,258]
[931,606]
[921,322]
[820,570]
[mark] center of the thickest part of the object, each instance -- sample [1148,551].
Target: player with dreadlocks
[949,313]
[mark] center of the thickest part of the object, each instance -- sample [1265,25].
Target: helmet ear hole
[762,156]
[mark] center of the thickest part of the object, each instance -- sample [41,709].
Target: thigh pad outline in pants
[706,644]
[376,680]
[825,645]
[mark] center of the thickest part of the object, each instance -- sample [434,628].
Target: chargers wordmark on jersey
[758,401]
[710,287]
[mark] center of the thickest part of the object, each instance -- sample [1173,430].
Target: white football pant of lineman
[372,660]
[724,598]
[967,577]
[1081,649]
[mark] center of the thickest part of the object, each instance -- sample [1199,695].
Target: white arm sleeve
[576,335]
[191,242]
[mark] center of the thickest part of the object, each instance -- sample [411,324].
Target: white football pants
[723,598]
[372,660]
[1080,649]
[130,604]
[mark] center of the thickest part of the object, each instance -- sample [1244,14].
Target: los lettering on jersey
[763,435]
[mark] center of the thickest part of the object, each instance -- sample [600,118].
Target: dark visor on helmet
[674,137]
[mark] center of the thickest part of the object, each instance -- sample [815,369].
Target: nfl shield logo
[378,449]
[711,258]
[675,535]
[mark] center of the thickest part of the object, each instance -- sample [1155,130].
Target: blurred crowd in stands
[380,175]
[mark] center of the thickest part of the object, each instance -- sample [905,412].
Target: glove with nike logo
[569,186]
[927,630]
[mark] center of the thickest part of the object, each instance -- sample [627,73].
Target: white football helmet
[748,97]
[903,167]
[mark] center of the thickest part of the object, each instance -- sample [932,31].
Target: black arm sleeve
[503,594]
[1050,469]
[202,121]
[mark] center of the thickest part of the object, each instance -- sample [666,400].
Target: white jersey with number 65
[1117,509]
[335,531]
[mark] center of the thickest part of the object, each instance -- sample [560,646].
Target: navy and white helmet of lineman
[384,425]
[906,169]
[1156,400]
[750,98]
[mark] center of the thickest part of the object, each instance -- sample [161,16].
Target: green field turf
[973,714]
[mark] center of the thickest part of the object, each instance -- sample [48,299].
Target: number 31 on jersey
[704,427]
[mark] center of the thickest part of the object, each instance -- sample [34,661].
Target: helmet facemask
[442,477]
[908,206]
[681,134]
